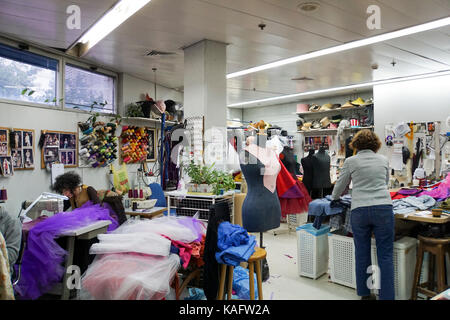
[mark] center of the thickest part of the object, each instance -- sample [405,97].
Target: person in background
[11,229]
[371,212]
[69,184]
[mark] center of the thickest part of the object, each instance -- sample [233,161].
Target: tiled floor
[285,283]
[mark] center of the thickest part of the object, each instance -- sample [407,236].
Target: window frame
[87,67]
[60,104]
[42,53]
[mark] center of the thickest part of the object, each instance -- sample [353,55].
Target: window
[26,76]
[85,90]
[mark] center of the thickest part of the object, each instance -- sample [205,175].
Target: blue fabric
[158,193]
[241,283]
[235,245]
[378,219]
[411,204]
[326,207]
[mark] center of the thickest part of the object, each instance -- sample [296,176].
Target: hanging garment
[219,213]
[234,243]
[42,259]
[6,290]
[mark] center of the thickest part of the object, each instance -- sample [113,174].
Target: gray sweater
[11,229]
[369,173]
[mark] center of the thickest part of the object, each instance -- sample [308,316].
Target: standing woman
[371,212]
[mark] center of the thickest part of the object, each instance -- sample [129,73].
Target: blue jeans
[379,220]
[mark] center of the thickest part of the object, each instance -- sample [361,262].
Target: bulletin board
[152,146]
[6,164]
[59,147]
[423,138]
[22,154]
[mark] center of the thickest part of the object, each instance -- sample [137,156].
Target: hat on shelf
[316,124]
[302,107]
[336,106]
[336,119]
[358,102]
[348,104]
[333,125]
[300,123]
[314,108]
[326,106]
[306,126]
[324,122]
[368,102]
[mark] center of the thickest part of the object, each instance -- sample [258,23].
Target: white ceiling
[170,25]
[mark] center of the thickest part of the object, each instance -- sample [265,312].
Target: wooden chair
[253,263]
[436,249]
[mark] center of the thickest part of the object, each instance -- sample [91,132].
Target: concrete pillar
[205,84]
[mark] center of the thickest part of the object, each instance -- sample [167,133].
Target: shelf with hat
[147,120]
[314,109]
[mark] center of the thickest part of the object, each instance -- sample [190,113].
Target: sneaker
[371,297]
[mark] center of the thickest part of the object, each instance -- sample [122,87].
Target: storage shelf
[330,131]
[148,120]
[337,111]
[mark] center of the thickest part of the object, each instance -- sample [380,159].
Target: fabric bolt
[369,173]
[411,204]
[43,257]
[136,242]
[6,289]
[378,220]
[129,276]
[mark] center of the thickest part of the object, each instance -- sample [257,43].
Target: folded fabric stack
[412,204]
[139,260]
[326,207]
[234,244]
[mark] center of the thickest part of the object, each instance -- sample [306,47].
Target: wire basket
[189,206]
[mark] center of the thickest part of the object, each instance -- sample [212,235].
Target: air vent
[158,53]
[302,79]
[308,6]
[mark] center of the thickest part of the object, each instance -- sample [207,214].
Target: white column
[205,84]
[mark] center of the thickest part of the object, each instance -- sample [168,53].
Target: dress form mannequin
[261,209]
[308,174]
[321,169]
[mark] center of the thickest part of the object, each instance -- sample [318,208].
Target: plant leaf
[31,92]
[24,91]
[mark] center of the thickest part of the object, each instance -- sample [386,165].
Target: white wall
[29,184]
[234,113]
[419,100]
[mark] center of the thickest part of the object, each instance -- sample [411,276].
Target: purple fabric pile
[441,192]
[42,260]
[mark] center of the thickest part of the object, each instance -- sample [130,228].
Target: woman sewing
[69,184]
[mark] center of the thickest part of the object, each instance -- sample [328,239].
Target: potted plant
[223,182]
[202,178]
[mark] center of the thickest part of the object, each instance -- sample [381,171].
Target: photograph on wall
[51,140]
[59,146]
[4,139]
[67,141]
[28,158]
[27,138]
[17,139]
[22,146]
[17,160]
[6,166]
[152,145]
[50,154]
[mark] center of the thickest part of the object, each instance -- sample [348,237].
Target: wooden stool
[253,261]
[436,249]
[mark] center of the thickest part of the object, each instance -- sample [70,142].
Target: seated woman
[69,184]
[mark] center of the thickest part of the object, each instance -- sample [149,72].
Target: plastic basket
[312,247]
[296,220]
[341,259]
[405,254]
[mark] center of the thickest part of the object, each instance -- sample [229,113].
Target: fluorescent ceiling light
[347,46]
[121,11]
[355,86]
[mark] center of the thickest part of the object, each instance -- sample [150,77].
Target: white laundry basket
[342,267]
[296,220]
[405,254]
[312,247]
